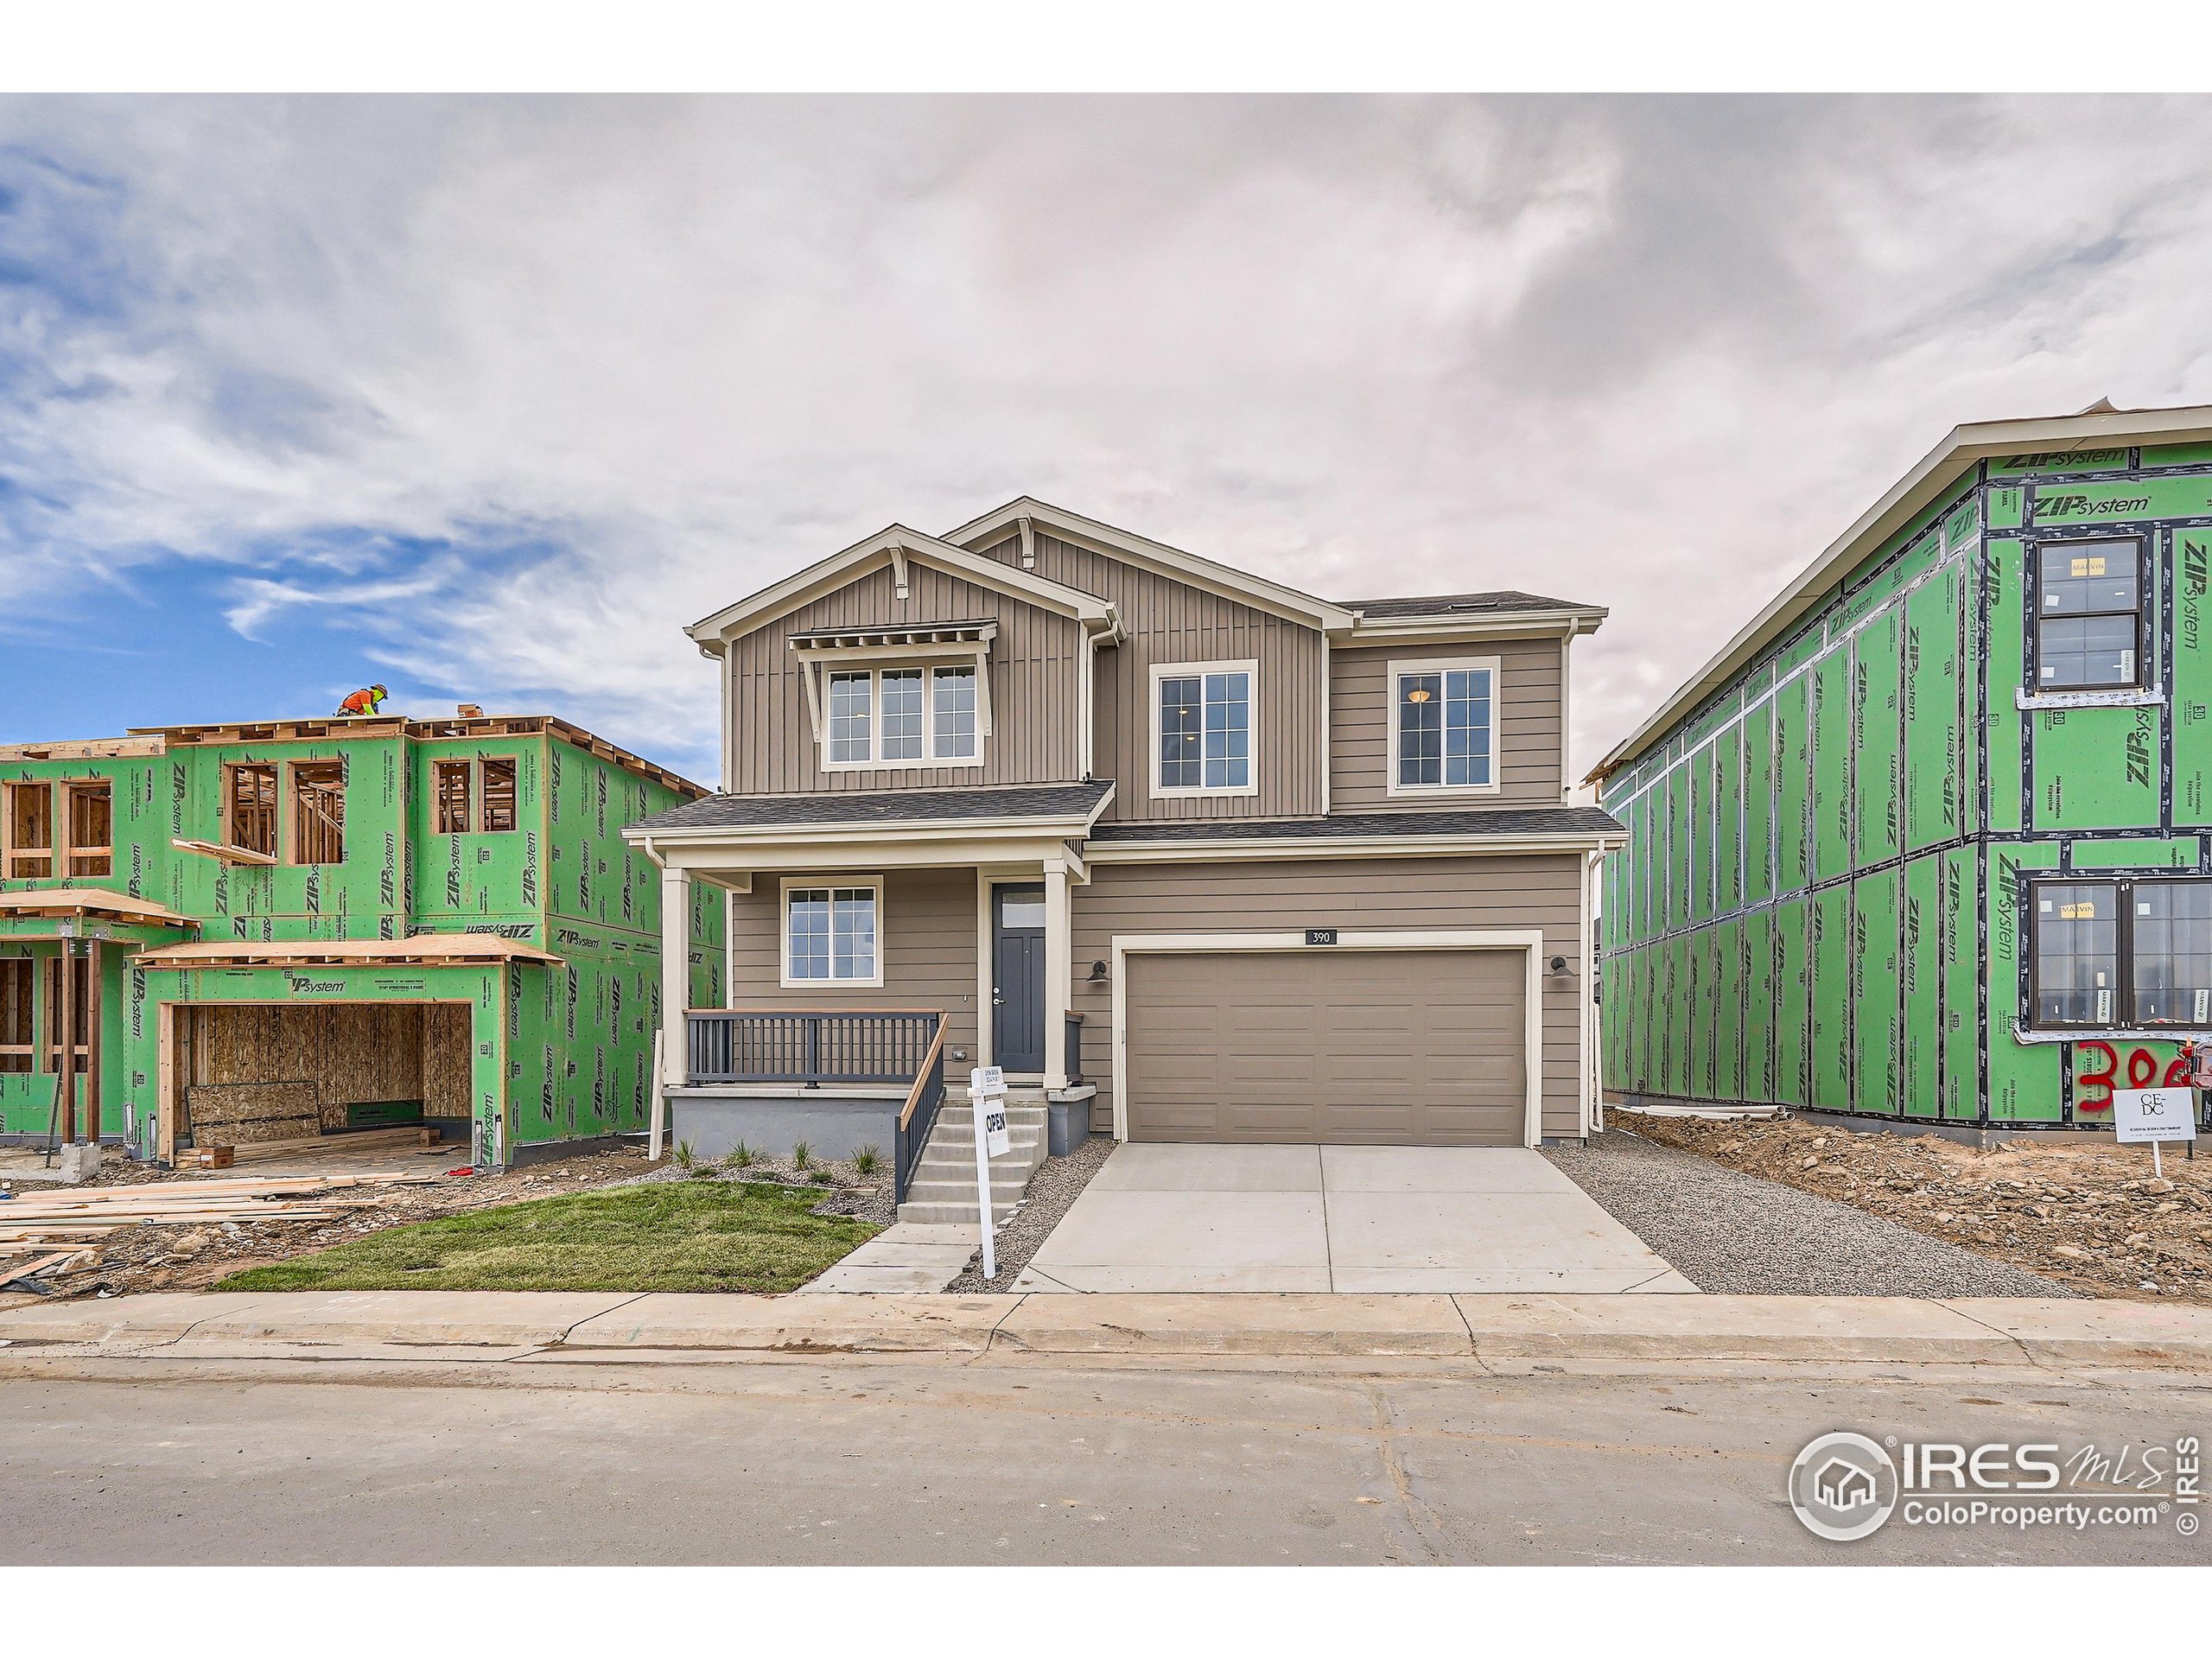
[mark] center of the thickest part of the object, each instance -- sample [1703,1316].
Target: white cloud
[616,362]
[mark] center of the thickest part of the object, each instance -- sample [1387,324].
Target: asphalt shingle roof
[1459,604]
[902,806]
[1491,821]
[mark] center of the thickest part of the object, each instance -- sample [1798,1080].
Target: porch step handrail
[919,1117]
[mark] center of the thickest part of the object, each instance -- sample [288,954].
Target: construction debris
[2091,1215]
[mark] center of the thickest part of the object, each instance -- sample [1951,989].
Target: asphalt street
[928,1461]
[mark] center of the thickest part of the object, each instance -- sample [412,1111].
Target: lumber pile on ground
[317,1145]
[82,1215]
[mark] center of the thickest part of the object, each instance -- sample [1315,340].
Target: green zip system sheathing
[1820,905]
[558,1050]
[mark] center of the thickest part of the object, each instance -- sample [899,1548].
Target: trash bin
[1068,1126]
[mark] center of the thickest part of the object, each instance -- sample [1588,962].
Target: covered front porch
[880,947]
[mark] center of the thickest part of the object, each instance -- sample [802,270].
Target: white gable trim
[895,547]
[1239,585]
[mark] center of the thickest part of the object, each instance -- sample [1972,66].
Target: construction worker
[368,699]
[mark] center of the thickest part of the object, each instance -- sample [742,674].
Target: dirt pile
[2091,1215]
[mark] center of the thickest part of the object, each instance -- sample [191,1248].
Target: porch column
[674,973]
[1058,993]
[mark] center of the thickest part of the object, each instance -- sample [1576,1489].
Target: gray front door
[1017,976]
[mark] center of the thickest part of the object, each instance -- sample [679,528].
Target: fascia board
[1938,471]
[1185,852]
[1195,569]
[759,609]
[1492,625]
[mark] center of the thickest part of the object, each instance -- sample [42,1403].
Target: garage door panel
[1406,1047]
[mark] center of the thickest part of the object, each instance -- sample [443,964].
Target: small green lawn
[674,1236]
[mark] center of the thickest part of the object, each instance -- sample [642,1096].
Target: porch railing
[746,1046]
[1075,1050]
[919,1117]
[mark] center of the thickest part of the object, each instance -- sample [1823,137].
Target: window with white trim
[830,933]
[1203,717]
[903,716]
[1444,726]
[2090,617]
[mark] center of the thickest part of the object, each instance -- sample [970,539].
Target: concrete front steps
[944,1187]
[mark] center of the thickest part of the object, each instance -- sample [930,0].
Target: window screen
[829,933]
[2172,952]
[2077,953]
[2089,616]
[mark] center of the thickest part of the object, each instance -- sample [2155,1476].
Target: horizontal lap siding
[1172,621]
[926,932]
[1528,716]
[1034,663]
[1249,896]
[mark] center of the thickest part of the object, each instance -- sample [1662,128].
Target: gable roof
[2100,426]
[890,546]
[1225,580]
[1426,605]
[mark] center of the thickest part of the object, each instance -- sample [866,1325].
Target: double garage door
[1340,1046]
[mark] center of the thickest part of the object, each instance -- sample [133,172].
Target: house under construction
[1931,838]
[230,935]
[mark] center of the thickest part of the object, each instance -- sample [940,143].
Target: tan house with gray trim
[1225,860]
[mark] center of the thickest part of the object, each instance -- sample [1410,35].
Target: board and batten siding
[1527,713]
[926,929]
[1172,621]
[1362,894]
[1034,663]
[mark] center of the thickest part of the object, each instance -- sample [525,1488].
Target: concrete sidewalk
[1516,1330]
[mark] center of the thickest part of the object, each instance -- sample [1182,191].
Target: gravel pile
[1737,1233]
[1052,1191]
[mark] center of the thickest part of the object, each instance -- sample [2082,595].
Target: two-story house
[236,934]
[1230,861]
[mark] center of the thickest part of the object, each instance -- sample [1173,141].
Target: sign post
[987,1097]
[2156,1116]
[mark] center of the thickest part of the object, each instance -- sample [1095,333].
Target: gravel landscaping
[1730,1232]
[1052,1191]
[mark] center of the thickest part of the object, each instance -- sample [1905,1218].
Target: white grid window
[1444,727]
[829,934]
[902,717]
[851,698]
[1201,715]
[952,697]
[902,713]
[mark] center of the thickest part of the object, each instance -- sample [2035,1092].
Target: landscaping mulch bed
[1052,1191]
[2085,1214]
[1739,1234]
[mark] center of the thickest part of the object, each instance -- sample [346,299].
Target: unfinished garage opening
[324,1075]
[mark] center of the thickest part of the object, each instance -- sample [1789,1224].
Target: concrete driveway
[1455,1219]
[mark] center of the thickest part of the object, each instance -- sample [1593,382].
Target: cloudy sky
[485,399]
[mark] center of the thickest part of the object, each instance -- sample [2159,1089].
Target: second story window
[92,828]
[29,827]
[250,808]
[474,797]
[899,717]
[1202,724]
[319,813]
[1444,721]
[2089,617]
